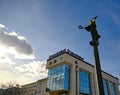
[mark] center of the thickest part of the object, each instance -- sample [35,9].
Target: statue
[94,43]
[92,28]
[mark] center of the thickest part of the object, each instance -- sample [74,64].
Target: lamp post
[94,43]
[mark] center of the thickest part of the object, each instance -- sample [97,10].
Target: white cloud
[14,44]
[2,26]
[35,68]
[20,69]
[5,60]
[21,78]
[14,50]
[23,73]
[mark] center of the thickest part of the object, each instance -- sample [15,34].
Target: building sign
[65,51]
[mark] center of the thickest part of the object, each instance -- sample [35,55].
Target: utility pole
[94,43]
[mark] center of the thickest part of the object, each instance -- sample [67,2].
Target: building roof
[69,52]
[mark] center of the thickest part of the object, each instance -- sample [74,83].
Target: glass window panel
[58,78]
[105,87]
[112,88]
[84,82]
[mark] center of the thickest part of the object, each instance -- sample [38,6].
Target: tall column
[98,71]
[93,84]
[117,89]
[73,79]
[94,43]
[108,85]
[77,78]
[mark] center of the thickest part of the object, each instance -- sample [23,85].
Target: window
[58,78]
[105,87]
[112,88]
[84,82]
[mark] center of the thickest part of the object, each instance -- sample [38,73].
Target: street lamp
[94,43]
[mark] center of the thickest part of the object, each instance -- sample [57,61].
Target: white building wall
[68,59]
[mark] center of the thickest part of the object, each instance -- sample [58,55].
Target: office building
[35,88]
[69,74]
[29,89]
[41,87]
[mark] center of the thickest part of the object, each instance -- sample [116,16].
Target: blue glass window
[112,88]
[105,87]
[84,82]
[58,78]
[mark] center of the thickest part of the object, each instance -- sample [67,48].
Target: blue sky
[35,29]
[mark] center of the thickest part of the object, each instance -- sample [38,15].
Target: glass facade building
[112,88]
[84,82]
[69,74]
[105,87]
[58,78]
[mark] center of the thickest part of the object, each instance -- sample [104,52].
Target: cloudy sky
[31,30]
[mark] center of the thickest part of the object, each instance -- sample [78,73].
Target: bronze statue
[94,43]
[92,28]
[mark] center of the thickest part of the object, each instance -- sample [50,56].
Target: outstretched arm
[81,27]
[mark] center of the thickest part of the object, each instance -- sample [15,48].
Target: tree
[10,88]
